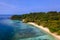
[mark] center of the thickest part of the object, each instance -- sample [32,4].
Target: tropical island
[50,20]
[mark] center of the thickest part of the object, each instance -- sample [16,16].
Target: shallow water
[17,30]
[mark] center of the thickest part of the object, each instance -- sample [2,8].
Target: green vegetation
[50,19]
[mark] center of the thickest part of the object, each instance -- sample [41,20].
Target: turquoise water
[17,30]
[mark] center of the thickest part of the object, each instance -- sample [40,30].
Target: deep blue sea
[17,30]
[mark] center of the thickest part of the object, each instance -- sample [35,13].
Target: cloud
[6,8]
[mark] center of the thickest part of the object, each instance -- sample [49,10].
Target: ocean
[17,30]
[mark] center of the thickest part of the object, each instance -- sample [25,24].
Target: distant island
[51,20]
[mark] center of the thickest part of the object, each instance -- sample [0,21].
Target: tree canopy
[50,19]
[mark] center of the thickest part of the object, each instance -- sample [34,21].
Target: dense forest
[47,19]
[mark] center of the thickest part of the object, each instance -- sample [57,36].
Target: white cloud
[7,7]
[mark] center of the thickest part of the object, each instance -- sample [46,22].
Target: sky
[12,7]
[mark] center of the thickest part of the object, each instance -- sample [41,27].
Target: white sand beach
[46,30]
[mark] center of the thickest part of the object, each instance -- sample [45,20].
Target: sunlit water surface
[17,30]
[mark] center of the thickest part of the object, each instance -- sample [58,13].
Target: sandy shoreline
[46,30]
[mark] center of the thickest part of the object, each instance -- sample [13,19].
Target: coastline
[45,29]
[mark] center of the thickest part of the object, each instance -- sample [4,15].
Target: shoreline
[45,29]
